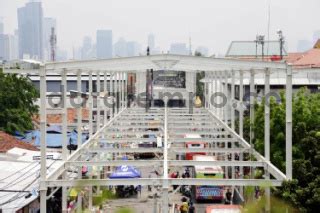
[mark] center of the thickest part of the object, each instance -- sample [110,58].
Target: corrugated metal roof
[20,179]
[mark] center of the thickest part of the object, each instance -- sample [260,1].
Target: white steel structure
[129,124]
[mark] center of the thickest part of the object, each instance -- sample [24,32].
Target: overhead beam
[158,181]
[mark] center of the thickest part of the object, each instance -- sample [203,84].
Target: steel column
[64,135]
[90,100]
[267,133]
[98,108]
[105,96]
[289,123]
[79,131]
[43,147]
[165,186]
[216,110]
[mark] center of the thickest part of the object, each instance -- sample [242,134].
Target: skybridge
[116,127]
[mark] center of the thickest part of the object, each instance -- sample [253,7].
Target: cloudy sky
[209,23]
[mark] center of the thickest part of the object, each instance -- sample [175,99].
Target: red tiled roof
[8,142]
[292,57]
[309,59]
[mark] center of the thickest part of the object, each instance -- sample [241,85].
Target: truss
[118,129]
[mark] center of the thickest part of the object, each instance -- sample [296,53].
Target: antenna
[53,43]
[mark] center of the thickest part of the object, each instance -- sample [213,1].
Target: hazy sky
[209,23]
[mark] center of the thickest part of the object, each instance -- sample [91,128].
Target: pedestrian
[228,197]
[191,208]
[184,208]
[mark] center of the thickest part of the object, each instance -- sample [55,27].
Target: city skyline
[142,19]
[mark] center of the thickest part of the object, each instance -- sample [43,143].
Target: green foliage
[124,210]
[304,190]
[200,85]
[17,96]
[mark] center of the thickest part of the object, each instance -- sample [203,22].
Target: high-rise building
[1,26]
[88,49]
[120,48]
[133,48]
[30,24]
[179,48]
[151,42]
[8,47]
[3,47]
[104,44]
[48,24]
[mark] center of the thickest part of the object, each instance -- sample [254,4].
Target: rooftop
[8,142]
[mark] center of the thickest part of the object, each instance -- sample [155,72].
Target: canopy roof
[163,62]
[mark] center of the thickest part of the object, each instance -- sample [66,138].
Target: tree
[304,190]
[17,97]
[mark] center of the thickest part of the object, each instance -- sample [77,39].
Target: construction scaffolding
[122,124]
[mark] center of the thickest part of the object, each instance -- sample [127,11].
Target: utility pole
[281,41]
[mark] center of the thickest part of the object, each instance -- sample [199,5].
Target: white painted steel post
[126,90]
[220,98]
[226,93]
[111,95]
[212,92]
[122,90]
[90,100]
[216,91]
[267,132]
[116,92]
[64,115]
[289,122]
[232,100]
[241,121]
[43,123]
[205,95]
[79,109]
[98,108]
[232,111]
[79,132]
[165,187]
[241,104]
[252,100]
[64,134]
[105,112]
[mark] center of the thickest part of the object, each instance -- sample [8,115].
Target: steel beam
[158,181]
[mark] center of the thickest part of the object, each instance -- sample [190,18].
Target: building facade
[30,24]
[104,44]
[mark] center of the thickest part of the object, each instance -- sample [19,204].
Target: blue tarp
[125,172]
[53,137]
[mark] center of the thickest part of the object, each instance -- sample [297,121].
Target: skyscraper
[104,44]
[48,24]
[151,42]
[3,47]
[1,26]
[179,48]
[30,22]
[133,48]
[120,48]
[88,49]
